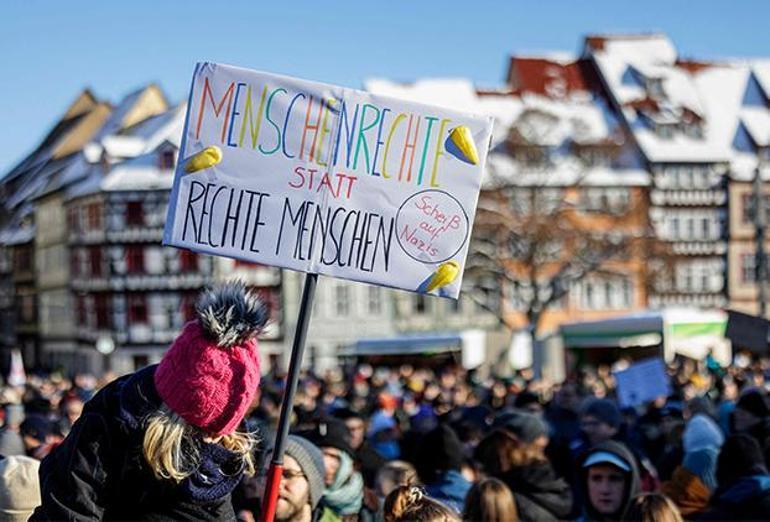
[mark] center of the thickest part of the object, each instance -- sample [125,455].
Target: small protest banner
[327,180]
[641,382]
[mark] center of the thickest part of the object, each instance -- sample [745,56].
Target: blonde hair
[490,500]
[410,503]
[652,507]
[170,445]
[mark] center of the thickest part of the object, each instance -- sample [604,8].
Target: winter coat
[99,471]
[633,487]
[687,491]
[747,498]
[539,493]
[451,489]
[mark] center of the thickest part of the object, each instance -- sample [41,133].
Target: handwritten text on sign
[324,179]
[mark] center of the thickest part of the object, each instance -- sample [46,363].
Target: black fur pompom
[229,314]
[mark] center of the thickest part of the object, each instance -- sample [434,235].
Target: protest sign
[327,180]
[641,382]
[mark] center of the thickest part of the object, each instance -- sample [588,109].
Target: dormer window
[655,88]
[166,159]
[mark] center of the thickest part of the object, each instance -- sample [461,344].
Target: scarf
[346,494]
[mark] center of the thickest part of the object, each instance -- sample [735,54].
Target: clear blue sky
[51,50]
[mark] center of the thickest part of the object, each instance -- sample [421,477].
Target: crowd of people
[192,438]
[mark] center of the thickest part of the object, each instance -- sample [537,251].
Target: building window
[188,306]
[75,262]
[137,309]
[94,216]
[748,268]
[134,214]
[188,261]
[420,304]
[166,159]
[80,305]
[135,259]
[73,222]
[374,294]
[95,261]
[102,312]
[341,300]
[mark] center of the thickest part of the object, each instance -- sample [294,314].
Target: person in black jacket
[163,443]
[744,482]
[514,452]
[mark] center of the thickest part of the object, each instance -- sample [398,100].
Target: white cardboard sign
[324,179]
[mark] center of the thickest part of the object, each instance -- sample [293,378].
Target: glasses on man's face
[290,474]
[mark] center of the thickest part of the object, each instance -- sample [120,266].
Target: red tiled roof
[542,76]
[693,66]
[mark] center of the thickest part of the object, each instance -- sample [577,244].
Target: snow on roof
[757,123]
[639,48]
[713,93]
[17,235]
[761,70]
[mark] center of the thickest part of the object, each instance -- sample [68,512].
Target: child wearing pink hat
[164,442]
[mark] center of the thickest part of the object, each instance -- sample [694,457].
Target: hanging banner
[329,180]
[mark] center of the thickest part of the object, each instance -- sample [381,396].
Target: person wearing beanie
[302,484]
[19,488]
[514,452]
[438,466]
[743,491]
[167,441]
[600,421]
[344,486]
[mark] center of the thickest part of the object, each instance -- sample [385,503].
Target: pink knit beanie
[210,374]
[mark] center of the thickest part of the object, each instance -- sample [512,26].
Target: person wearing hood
[164,442]
[744,482]
[514,452]
[368,460]
[439,466]
[344,486]
[609,480]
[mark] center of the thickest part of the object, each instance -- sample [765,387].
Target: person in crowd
[19,488]
[11,442]
[693,481]
[744,482]
[599,422]
[368,460]
[344,486]
[393,474]
[302,484]
[37,433]
[164,442]
[72,408]
[489,500]
[411,504]
[652,507]
[609,479]
[439,466]
[752,416]
[514,452]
